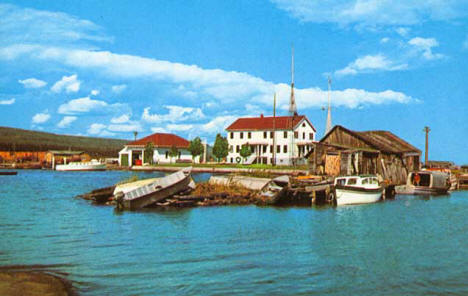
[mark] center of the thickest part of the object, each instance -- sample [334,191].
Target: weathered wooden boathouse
[345,152]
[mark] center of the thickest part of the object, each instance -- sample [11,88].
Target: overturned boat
[361,189]
[146,193]
[425,183]
[275,189]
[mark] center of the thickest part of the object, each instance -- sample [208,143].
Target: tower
[329,120]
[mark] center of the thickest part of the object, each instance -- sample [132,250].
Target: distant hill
[14,139]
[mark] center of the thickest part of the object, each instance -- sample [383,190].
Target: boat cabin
[357,181]
[430,179]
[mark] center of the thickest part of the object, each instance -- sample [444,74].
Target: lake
[407,246]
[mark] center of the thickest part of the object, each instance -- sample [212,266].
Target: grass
[239,166]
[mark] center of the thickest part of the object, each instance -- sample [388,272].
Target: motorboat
[93,165]
[425,183]
[358,189]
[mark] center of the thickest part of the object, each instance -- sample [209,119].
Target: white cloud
[21,25]
[158,130]
[176,114]
[7,102]
[402,31]
[371,13]
[66,121]
[226,88]
[121,119]
[41,117]
[218,124]
[119,88]
[81,105]
[129,127]
[67,83]
[32,83]
[95,92]
[179,127]
[96,128]
[425,45]
[370,63]
[384,40]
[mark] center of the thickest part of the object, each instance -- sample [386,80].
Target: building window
[231,148]
[296,135]
[303,124]
[249,135]
[180,154]
[303,136]
[278,149]
[265,148]
[167,154]
[264,135]
[271,135]
[285,134]
[285,149]
[311,136]
[241,135]
[237,148]
[231,135]
[232,160]
[271,148]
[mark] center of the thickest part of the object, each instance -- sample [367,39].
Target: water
[409,246]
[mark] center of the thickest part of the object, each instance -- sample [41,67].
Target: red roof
[162,140]
[266,123]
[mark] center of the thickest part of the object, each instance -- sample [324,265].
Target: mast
[292,109]
[329,120]
[273,152]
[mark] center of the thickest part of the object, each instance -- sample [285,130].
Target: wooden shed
[345,152]
[54,157]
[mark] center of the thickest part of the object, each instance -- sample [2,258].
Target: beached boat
[6,173]
[274,190]
[92,165]
[425,183]
[463,182]
[153,192]
[357,190]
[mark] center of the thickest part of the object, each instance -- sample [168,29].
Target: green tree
[173,152]
[149,152]
[196,147]
[220,148]
[245,151]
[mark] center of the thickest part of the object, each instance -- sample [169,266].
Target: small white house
[281,139]
[133,153]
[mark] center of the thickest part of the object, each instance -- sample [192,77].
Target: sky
[107,69]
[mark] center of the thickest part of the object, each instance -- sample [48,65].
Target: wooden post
[426,157]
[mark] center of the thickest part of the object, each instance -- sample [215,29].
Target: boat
[425,183]
[93,165]
[153,192]
[274,190]
[463,182]
[452,177]
[359,189]
[4,173]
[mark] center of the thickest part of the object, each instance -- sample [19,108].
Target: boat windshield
[352,181]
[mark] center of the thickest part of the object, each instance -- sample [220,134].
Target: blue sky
[99,68]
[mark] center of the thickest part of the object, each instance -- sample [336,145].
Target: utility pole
[329,120]
[273,152]
[426,157]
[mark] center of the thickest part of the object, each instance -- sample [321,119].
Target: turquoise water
[409,246]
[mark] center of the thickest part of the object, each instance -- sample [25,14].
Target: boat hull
[420,190]
[348,195]
[76,168]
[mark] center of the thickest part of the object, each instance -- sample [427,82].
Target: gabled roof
[381,140]
[162,140]
[266,123]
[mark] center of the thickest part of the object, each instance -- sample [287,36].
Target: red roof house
[162,140]
[266,123]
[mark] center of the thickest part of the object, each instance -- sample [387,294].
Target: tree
[135,134]
[149,152]
[173,152]
[220,148]
[196,147]
[245,151]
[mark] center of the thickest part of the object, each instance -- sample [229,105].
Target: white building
[133,153]
[290,142]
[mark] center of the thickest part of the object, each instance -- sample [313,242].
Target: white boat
[92,165]
[362,189]
[145,193]
[425,183]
